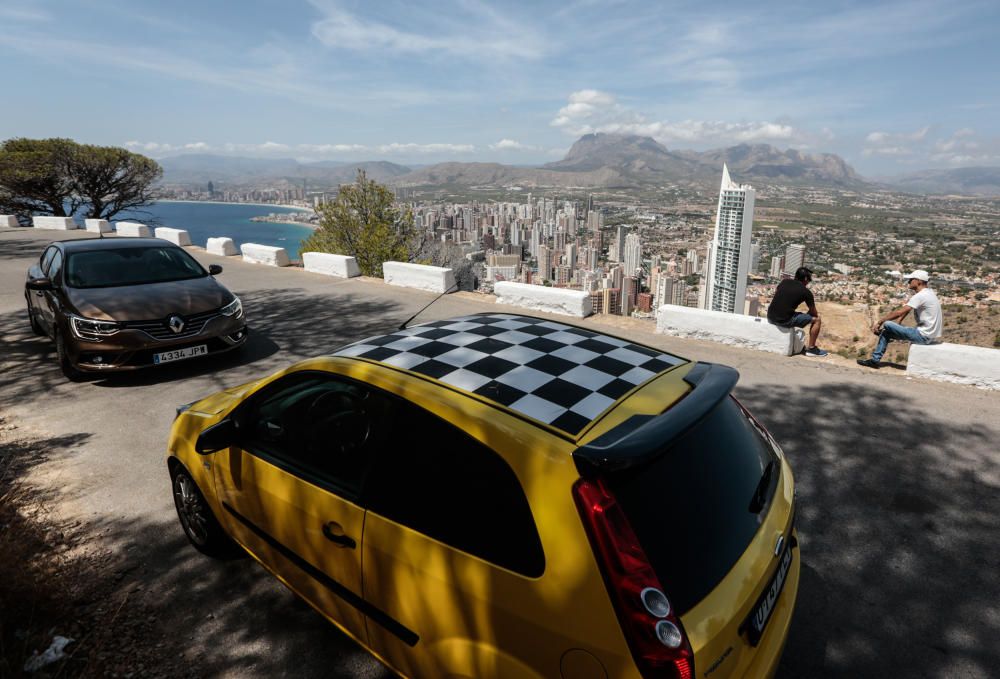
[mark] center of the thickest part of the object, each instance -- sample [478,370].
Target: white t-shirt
[927,313]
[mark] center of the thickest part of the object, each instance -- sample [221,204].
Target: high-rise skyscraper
[795,256]
[544,263]
[729,251]
[632,257]
[619,244]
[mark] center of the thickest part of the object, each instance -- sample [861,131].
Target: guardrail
[958,363]
[54,223]
[420,276]
[265,254]
[133,230]
[540,298]
[734,329]
[329,264]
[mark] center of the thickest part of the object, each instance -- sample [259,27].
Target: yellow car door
[289,487]
[452,553]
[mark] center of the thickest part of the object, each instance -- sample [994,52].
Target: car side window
[318,426]
[55,267]
[436,479]
[47,259]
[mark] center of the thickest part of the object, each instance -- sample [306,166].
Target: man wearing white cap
[926,312]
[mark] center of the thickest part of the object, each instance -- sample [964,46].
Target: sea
[204,220]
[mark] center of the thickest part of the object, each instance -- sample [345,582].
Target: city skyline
[891,87]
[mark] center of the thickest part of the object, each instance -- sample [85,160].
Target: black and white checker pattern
[555,373]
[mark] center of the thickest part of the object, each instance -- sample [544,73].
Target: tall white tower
[729,252]
[632,257]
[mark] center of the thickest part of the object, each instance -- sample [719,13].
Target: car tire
[200,526]
[35,327]
[65,364]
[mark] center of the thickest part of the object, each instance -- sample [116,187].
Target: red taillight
[628,575]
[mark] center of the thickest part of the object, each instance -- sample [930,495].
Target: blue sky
[892,87]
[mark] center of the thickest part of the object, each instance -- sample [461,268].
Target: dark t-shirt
[789,295]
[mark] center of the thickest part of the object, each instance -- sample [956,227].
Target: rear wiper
[760,494]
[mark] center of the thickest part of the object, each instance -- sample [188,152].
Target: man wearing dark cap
[926,313]
[787,298]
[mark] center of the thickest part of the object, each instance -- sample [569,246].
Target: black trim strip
[408,636]
[643,437]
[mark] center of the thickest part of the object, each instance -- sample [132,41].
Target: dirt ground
[53,583]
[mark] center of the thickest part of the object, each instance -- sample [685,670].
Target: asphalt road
[898,483]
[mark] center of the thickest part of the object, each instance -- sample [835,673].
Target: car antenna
[407,321]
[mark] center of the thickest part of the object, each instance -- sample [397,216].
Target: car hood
[149,302]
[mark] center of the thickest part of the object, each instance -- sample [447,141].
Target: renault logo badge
[779,544]
[176,324]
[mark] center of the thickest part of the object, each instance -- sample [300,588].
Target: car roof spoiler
[641,438]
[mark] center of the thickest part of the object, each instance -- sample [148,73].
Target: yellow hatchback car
[505,496]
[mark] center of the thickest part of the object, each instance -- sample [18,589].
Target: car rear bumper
[134,349]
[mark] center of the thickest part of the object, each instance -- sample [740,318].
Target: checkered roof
[558,374]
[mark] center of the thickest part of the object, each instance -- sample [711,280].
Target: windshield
[697,506]
[130,266]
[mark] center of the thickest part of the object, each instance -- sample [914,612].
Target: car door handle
[338,539]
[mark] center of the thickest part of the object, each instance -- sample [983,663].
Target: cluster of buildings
[562,244]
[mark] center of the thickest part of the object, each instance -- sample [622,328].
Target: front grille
[160,330]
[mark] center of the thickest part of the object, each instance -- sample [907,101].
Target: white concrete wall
[133,230]
[8,220]
[175,236]
[265,254]
[97,225]
[330,264]
[420,276]
[734,329]
[540,298]
[221,246]
[54,223]
[978,366]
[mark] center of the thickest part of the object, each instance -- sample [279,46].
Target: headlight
[89,329]
[234,308]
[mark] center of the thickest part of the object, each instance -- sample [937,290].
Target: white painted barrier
[8,221]
[420,276]
[54,223]
[331,264]
[97,225]
[133,230]
[265,254]
[221,246]
[748,332]
[175,236]
[978,366]
[540,298]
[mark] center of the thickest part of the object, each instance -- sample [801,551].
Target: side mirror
[214,269]
[39,284]
[216,437]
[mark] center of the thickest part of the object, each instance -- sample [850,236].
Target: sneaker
[815,351]
[868,363]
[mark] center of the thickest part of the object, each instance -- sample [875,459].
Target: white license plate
[180,354]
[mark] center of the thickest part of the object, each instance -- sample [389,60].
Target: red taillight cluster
[651,626]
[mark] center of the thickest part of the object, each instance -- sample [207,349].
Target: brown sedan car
[116,304]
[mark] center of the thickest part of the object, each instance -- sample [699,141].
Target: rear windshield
[130,266]
[693,507]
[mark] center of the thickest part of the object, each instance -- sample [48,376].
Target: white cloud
[894,143]
[511,145]
[324,149]
[471,30]
[425,148]
[591,111]
[197,146]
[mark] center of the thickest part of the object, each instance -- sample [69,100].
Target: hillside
[613,160]
[972,181]
[203,168]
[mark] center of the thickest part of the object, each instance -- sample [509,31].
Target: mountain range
[594,161]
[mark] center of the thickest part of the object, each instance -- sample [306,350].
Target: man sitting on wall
[782,310]
[926,312]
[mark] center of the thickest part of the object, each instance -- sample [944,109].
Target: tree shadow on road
[897,514]
[286,325]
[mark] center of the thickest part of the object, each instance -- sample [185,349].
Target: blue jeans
[895,331]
